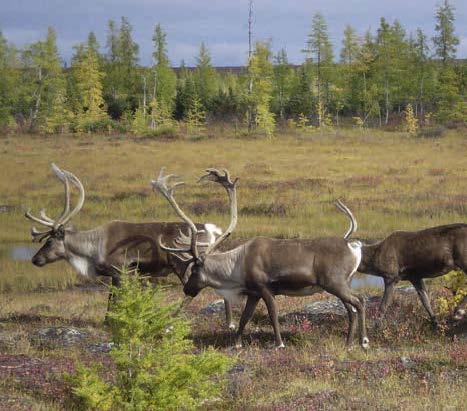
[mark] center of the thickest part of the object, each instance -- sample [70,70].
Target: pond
[18,251]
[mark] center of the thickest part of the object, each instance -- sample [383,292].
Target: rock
[101,347]
[215,307]
[322,309]
[58,336]
[407,362]
[405,289]
[236,369]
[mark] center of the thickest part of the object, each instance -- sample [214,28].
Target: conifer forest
[379,78]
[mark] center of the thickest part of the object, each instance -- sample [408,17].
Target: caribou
[414,256]
[104,250]
[264,267]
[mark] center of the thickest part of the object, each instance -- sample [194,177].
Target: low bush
[155,364]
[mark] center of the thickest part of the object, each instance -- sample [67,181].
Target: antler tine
[38,236]
[66,207]
[230,186]
[184,239]
[167,191]
[170,249]
[77,183]
[45,216]
[47,223]
[214,175]
[353,222]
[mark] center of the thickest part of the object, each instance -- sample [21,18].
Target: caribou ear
[60,232]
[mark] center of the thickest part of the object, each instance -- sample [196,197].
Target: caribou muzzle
[39,260]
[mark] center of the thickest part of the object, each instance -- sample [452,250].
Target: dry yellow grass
[287,186]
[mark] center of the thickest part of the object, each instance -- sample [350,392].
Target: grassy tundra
[286,189]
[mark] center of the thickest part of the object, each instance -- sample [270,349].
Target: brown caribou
[104,250]
[265,267]
[414,256]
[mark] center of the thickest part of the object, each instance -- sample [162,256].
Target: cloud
[221,24]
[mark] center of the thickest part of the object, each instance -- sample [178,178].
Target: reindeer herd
[261,268]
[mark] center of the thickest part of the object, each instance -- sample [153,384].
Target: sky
[221,24]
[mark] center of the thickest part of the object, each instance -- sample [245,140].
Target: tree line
[376,79]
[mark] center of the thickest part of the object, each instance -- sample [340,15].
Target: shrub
[156,368]
[432,132]
[169,132]
[455,282]
[103,125]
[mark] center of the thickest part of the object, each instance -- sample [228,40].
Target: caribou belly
[232,295]
[302,292]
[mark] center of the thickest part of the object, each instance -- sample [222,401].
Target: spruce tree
[261,73]
[319,48]
[445,41]
[349,79]
[155,364]
[88,84]
[164,78]
[282,85]
[122,85]
[205,77]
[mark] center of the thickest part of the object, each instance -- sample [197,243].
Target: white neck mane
[227,265]
[84,249]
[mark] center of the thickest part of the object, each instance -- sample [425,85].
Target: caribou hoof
[281,345]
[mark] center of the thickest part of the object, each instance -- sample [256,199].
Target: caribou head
[54,248]
[192,252]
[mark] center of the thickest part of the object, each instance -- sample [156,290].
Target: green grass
[286,188]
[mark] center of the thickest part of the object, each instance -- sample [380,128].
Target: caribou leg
[419,285]
[389,286]
[228,315]
[352,323]
[251,303]
[344,292]
[270,301]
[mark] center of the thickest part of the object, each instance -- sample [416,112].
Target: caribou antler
[167,191]
[38,236]
[66,215]
[353,223]
[65,177]
[214,175]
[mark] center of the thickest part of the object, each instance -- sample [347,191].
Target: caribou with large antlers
[106,249]
[264,267]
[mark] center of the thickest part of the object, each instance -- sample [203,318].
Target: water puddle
[17,252]
[366,280]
